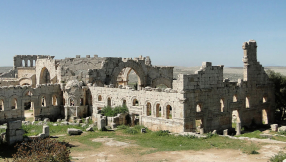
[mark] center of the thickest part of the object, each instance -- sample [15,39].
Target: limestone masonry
[80,87]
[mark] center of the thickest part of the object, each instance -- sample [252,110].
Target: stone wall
[147,107]
[13,99]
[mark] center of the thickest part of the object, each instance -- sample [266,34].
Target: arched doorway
[45,76]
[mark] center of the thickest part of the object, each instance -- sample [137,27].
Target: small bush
[41,150]
[278,157]
[252,149]
[162,133]
[122,127]
[282,133]
[131,131]
[110,112]
[210,135]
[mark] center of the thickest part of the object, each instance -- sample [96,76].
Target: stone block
[201,130]
[59,120]
[14,124]
[282,129]
[89,129]
[266,135]
[274,127]
[72,131]
[46,131]
[46,120]
[225,132]
[19,132]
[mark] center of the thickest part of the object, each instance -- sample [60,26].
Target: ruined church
[80,87]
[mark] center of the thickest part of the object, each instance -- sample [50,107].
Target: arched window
[169,112]
[34,63]
[135,102]
[199,108]
[43,101]
[158,110]
[124,103]
[14,103]
[247,105]
[234,98]
[23,63]
[148,106]
[109,101]
[29,63]
[71,102]
[54,100]
[222,105]
[1,105]
[99,98]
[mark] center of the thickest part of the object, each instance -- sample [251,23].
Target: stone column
[238,128]
[225,132]
[201,130]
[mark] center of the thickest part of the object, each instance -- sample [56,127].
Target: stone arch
[99,97]
[71,101]
[162,80]
[45,76]
[14,102]
[28,92]
[158,107]
[25,81]
[148,108]
[134,101]
[55,100]
[124,102]
[132,65]
[43,101]
[168,110]
[109,101]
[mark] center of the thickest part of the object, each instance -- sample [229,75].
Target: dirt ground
[113,150]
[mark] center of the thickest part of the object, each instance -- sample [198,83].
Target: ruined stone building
[83,86]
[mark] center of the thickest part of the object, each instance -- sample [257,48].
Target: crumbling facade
[83,86]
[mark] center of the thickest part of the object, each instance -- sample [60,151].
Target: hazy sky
[171,32]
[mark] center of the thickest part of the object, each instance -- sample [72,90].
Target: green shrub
[252,149]
[131,131]
[122,127]
[161,133]
[282,133]
[210,135]
[278,157]
[110,112]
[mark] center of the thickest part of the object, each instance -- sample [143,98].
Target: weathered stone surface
[225,132]
[274,127]
[73,131]
[266,135]
[89,129]
[46,120]
[76,87]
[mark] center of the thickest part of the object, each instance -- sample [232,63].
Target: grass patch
[255,134]
[163,141]
[278,157]
[32,130]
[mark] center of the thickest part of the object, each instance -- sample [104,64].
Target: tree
[279,82]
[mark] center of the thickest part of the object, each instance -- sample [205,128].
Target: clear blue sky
[171,32]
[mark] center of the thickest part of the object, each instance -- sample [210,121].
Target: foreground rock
[73,131]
